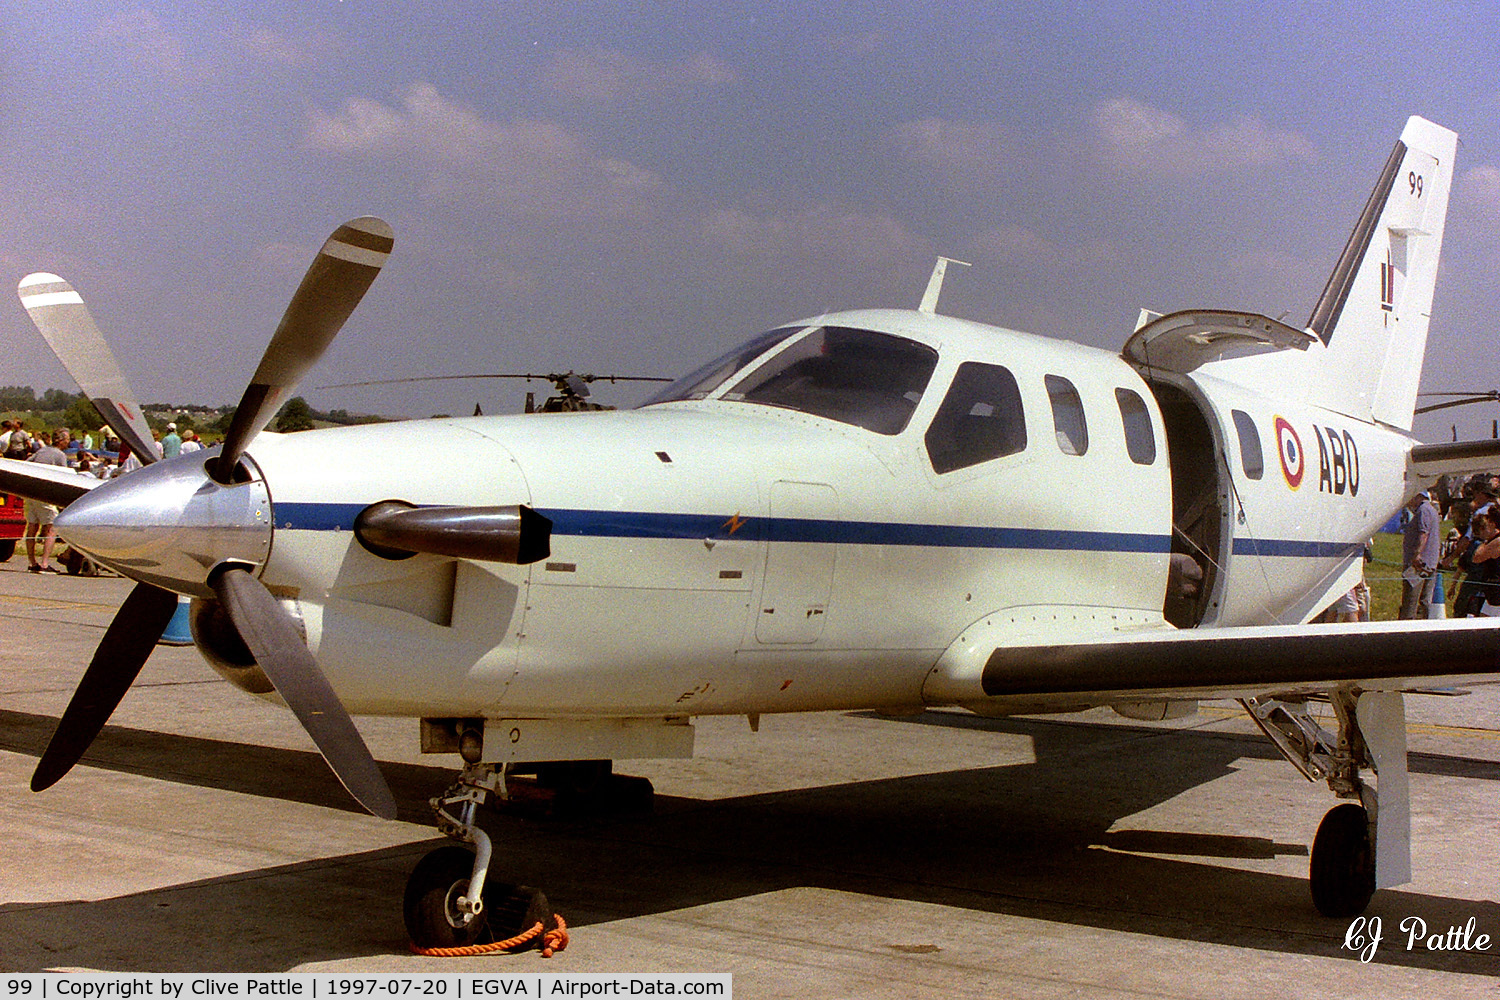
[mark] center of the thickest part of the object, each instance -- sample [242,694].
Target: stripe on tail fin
[1374,312]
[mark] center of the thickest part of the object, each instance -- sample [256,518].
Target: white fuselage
[718,556]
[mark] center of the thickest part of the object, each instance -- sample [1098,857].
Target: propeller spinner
[201,524]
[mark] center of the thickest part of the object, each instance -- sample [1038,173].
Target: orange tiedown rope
[553,941]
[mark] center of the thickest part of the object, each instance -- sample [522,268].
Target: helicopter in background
[572,388]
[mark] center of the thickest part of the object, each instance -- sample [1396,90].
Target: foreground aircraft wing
[1246,662]
[47,483]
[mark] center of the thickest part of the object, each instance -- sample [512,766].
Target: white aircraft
[853,511]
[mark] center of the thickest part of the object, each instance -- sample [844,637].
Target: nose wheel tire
[430,907]
[1342,872]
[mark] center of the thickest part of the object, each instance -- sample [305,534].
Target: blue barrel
[178,632]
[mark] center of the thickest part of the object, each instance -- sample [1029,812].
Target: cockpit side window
[860,377]
[981,419]
[700,382]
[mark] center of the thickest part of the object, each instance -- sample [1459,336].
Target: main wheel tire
[7,549]
[582,778]
[515,909]
[1342,871]
[430,906]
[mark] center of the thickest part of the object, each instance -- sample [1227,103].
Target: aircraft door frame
[801,554]
[1202,525]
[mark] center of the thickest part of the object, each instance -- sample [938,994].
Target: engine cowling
[219,641]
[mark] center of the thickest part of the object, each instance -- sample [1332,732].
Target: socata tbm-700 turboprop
[842,513]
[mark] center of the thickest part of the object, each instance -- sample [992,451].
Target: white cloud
[820,231]
[1138,137]
[608,76]
[141,38]
[1480,186]
[864,43]
[962,153]
[526,167]
[266,46]
[1018,246]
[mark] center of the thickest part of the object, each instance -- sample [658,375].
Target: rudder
[1373,314]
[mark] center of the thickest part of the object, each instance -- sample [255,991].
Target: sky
[633,188]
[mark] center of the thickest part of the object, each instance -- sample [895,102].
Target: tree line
[58,408]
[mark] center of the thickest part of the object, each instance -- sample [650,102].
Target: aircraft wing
[47,483]
[1248,662]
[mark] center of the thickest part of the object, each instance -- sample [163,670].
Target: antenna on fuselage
[935,284]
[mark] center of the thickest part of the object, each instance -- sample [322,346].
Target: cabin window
[860,377]
[1252,458]
[1140,439]
[1068,422]
[980,419]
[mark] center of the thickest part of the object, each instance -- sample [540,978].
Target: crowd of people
[1472,546]
[1470,550]
[103,456]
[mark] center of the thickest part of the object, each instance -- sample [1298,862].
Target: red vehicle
[13,528]
[12,524]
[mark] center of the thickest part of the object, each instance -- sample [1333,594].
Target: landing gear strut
[448,902]
[1346,867]
[444,902]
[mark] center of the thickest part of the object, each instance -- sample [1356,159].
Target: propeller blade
[65,324]
[335,282]
[127,643]
[47,483]
[278,649]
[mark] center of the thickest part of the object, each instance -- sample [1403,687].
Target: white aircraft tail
[1372,317]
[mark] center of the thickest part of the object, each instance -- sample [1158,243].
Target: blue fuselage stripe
[1294,548]
[635,524]
[647,524]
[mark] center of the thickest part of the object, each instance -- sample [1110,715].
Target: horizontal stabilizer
[1429,461]
[47,483]
[1250,661]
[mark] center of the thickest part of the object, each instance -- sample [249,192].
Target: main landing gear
[450,902]
[1346,867]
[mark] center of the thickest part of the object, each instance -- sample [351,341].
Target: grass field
[1384,577]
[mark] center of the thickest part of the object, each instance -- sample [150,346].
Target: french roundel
[1290,447]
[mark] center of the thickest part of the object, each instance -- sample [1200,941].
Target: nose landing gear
[450,906]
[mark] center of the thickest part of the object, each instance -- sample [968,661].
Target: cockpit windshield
[860,377]
[698,383]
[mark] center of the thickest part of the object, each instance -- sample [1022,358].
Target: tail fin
[1373,315]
